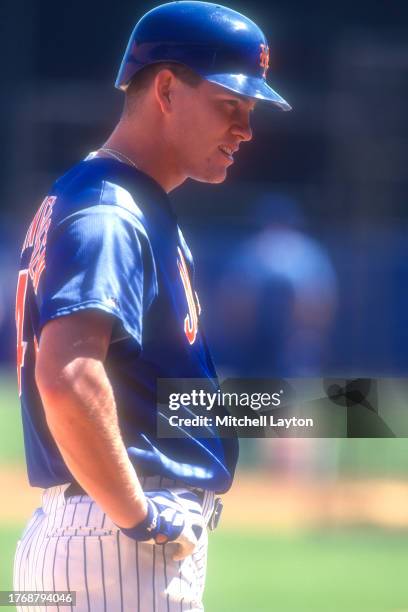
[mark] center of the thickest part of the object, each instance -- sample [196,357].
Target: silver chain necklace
[118,156]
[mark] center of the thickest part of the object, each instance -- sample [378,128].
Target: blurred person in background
[278,324]
[285,296]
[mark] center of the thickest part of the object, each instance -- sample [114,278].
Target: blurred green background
[332,568]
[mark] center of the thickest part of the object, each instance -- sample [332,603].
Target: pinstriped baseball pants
[72,545]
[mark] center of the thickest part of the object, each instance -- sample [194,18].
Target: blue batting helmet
[221,45]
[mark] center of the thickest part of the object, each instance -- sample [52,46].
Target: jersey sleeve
[98,258]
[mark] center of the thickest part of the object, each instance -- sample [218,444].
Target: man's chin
[213,177]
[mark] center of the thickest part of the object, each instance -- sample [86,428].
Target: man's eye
[232,103]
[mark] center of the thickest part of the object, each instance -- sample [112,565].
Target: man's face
[206,128]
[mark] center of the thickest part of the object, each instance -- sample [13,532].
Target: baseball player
[106,305]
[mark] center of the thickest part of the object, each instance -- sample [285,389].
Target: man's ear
[164,83]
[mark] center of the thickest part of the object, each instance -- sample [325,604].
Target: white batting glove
[171,517]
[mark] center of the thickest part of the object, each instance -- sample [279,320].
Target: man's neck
[147,153]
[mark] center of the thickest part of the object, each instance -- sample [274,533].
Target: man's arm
[81,413]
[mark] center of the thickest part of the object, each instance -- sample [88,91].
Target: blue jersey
[106,238]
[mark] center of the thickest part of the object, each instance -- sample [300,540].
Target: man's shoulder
[96,185]
[86,182]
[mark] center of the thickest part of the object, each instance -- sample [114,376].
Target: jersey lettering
[20,306]
[191,320]
[37,238]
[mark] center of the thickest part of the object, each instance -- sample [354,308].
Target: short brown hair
[145,76]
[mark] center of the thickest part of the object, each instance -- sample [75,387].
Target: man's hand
[171,517]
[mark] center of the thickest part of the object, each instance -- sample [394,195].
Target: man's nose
[243,129]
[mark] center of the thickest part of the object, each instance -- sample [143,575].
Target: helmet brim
[253,87]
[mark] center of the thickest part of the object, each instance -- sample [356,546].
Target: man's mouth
[228,151]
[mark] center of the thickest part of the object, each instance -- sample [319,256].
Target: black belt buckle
[216,514]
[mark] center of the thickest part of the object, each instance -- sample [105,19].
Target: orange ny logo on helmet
[264,58]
